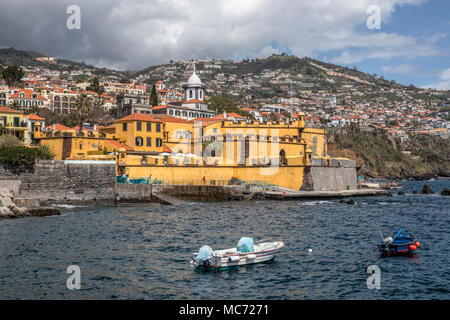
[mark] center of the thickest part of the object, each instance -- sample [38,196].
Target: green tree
[221,104]
[95,86]
[154,99]
[84,105]
[11,74]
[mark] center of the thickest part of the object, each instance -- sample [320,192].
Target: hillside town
[277,88]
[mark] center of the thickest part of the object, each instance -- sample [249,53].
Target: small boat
[401,244]
[244,253]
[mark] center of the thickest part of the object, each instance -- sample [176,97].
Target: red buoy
[417,243]
[412,247]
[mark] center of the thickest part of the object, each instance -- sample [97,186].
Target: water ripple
[142,251]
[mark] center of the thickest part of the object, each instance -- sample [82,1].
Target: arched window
[190,94]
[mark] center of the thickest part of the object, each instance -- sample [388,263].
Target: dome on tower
[194,79]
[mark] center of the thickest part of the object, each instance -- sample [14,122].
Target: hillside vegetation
[380,156]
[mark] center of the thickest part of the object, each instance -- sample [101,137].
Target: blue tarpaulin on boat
[245,245]
[205,253]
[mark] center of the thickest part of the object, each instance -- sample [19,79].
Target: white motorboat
[244,254]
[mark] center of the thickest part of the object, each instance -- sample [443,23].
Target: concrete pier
[293,195]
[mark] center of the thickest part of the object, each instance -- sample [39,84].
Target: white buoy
[309,250]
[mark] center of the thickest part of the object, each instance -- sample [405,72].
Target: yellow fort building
[213,150]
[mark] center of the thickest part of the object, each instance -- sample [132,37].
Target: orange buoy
[412,247]
[417,243]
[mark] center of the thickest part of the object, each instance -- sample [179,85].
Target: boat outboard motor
[388,240]
[204,256]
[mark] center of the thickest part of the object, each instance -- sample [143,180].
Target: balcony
[15,126]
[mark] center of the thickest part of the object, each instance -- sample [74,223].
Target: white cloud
[443,84]
[135,33]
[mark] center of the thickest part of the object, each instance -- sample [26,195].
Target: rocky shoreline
[8,209]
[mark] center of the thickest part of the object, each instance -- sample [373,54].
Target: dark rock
[414,192]
[389,194]
[401,193]
[445,192]
[43,212]
[342,201]
[350,201]
[426,189]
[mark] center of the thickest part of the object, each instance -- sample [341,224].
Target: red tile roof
[139,117]
[33,117]
[9,110]
[68,91]
[58,127]
[167,118]
[166,149]
[28,93]
[229,115]
[193,101]
[119,145]
[159,107]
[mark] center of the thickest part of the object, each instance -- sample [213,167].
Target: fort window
[139,141]
[149,126]
[124,127]
[149,142]
[158,127]
[158,142]
[283,160]
[138,126]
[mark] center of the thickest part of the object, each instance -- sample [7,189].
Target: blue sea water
[143,251]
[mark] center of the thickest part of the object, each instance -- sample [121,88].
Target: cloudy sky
[412,45]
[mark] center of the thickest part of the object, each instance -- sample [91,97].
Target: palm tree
[84,105]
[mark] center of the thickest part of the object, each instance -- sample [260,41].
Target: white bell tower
[194,88]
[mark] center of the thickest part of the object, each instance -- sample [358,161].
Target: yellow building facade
[270,153]
[11,122]
[140,132]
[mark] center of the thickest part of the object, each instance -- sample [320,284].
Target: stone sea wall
[54,181]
